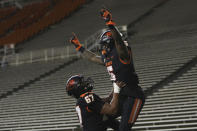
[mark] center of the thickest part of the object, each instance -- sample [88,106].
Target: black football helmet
[106,41]
[77,85]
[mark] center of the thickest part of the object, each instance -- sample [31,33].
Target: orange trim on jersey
[138,110]
[78,48]
[108,63]
[123,62]
[104,52]
[135,110]
[88,109]
[82,95]
[110,23]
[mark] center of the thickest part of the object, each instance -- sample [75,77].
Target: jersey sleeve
[130,55]
[94,102]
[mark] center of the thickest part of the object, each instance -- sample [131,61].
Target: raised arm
[113,106]
[84,52]
[119,43]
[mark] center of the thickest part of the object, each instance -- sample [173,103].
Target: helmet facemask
[77,86]
[106,42]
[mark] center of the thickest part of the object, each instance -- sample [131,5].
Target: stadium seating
[172,55]
[50,96]
[6,12]
[87,21]
[34,18]
[45,106]
[173,107]
[179,14]
[12,77]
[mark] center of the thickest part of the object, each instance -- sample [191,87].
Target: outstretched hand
[75,41]
[107,16]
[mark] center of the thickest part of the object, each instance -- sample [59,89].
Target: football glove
[106,15]
[75,41]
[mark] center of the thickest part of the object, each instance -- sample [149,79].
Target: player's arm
[119,43]
[113,106]
[109,97]
[84,52]
[92,57]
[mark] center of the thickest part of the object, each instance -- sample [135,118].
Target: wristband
[116,88]
[80,49]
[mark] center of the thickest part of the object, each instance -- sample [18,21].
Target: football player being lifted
[116,55]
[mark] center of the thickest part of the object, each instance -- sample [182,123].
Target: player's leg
[112,122]
[131,109]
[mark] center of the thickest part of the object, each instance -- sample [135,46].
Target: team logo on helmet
[77,85]
[106,41]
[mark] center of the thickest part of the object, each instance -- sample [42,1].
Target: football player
[90,107]
[116,55]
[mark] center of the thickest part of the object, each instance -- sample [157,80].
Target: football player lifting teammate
[90,107]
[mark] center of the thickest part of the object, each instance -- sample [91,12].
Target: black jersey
[88,107]
[121,71]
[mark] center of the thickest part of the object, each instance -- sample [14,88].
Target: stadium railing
[92,43]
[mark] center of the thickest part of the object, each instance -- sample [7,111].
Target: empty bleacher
[34,18]
[87,21]
[12,77]
[45,106]
[172,19]
[173,107]
[6,12]
[166,56]
[45,103]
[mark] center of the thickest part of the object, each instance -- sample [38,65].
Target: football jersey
[125,72]
[88,107]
